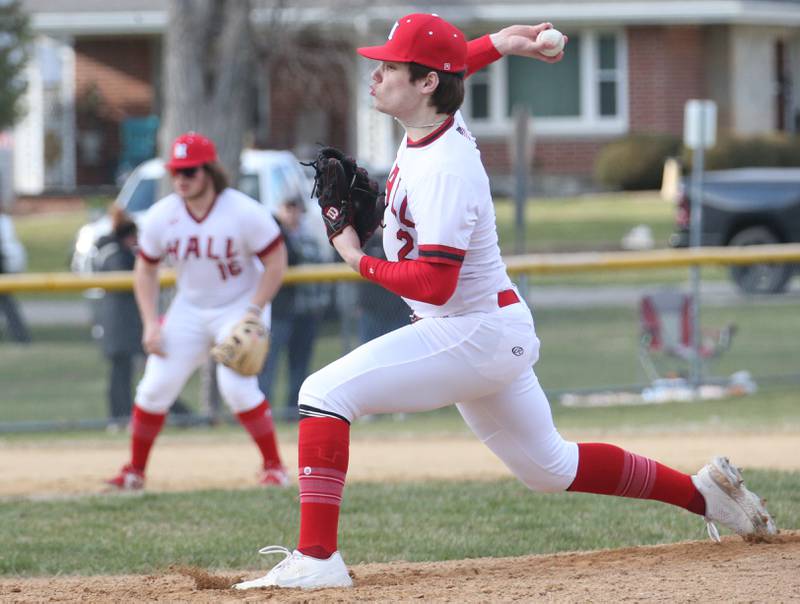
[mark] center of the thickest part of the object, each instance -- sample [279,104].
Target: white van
[265,175]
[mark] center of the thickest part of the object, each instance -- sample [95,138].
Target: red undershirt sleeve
[480,53]
[430,282]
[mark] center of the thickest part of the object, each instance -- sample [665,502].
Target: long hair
[219,177]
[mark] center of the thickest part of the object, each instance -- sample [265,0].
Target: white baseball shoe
[301,571]
[731,503]
[274,477]
[128,479]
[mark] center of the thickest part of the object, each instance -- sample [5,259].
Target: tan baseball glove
[245,349]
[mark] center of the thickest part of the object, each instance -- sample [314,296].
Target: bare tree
[15,35]
[208,66]
[283,48]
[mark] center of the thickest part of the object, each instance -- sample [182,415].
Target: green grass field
[62,375]
[108,534]
[49,238]
[590,222]
[222,530]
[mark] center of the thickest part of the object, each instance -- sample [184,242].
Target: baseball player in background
[230,259]
[474,342]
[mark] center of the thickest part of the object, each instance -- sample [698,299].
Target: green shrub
[773,150]
[635,162]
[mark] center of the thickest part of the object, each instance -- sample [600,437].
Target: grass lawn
[586,222]
[223,530]
[594,222]
[589,222]
[49,238]
[62,375]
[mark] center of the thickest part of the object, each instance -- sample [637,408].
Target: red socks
[609,470]
[258,422]
[145,427]
[323,454]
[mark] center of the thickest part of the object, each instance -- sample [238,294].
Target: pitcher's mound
[681,572]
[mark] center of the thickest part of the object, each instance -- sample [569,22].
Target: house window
[479,95]
[547,90]
[607,74]
[583,94]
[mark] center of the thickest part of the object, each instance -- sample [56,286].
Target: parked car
[265,175]
[746,206]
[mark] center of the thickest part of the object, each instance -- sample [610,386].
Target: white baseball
[554,37]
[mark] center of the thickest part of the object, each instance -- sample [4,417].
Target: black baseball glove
[346,194]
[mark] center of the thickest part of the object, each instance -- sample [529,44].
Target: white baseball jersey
[479,352]
[216,256]
[439,208]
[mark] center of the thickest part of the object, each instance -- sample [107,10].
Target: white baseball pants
[188,333]
[480,362]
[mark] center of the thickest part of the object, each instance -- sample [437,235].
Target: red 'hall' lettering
[172,248]
[210,249]
[193,247]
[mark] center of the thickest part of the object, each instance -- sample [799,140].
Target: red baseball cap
[190,150]
[425,39]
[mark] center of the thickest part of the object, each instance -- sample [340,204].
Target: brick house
[630,67]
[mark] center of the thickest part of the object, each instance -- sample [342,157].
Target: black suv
[747,206]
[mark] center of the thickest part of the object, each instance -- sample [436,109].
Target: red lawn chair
[666,332]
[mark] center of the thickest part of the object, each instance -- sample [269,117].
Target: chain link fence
[594,350]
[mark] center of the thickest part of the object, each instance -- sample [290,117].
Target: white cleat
[300,571]
[731,503]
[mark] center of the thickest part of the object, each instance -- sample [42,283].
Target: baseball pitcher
[473,343]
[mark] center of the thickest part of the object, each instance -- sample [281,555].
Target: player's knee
[546,482]
[315,393]
[554,472]
[152,400]
[239,392]
[311,393]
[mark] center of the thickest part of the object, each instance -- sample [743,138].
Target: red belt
[507,298]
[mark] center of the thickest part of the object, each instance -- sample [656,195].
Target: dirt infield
[205,461]
[733,571]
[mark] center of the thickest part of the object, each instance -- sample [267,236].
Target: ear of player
[346,194]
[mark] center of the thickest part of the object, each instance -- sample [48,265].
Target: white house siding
[718,78]
[44,141]
[29,138]
[753,84]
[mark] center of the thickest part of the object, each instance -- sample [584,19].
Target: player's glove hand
[346,194]
[245,348]
[369,204]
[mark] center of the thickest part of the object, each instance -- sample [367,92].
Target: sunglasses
[187,172]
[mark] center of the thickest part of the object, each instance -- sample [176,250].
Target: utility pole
[521,150]
[699,134]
